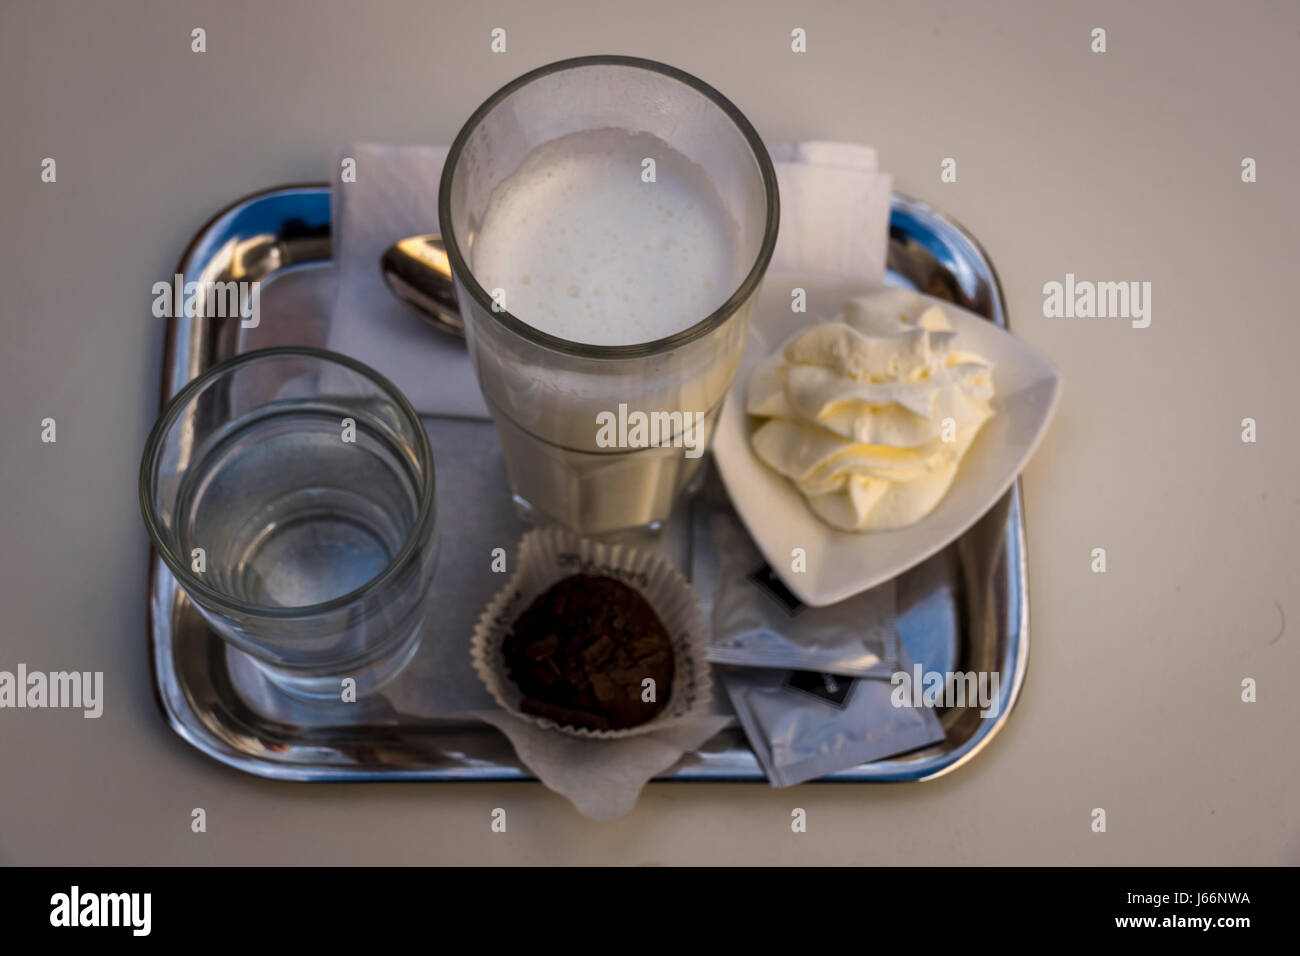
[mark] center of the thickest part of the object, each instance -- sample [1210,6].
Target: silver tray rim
[169,692]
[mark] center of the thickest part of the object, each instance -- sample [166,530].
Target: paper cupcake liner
[546,556]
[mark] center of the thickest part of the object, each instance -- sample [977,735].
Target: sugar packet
[757,622]
[803,725]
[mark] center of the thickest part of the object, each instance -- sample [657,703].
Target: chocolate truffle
[581,650]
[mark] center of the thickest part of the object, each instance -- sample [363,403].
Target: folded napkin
[834,221]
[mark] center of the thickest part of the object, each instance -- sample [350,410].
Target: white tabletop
[1116,166]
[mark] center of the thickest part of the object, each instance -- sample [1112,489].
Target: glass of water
[291,493]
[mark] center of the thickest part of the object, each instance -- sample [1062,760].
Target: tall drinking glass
[605,403]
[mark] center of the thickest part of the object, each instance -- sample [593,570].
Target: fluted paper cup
[547,556]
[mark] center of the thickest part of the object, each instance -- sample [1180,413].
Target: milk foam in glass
[588,250]
[607,220]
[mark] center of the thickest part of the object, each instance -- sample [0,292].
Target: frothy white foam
[586,250]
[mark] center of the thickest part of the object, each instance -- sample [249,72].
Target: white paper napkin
[834,220]
[395,195]
[601,778]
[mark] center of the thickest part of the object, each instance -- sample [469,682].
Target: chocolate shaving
[581,650]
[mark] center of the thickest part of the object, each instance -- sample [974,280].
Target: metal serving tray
[965,609]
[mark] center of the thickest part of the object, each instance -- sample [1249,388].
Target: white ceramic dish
[839,564]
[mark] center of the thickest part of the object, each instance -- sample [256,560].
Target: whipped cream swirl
[870,416]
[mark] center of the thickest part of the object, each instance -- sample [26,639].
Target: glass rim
[748,285]
[153,449]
